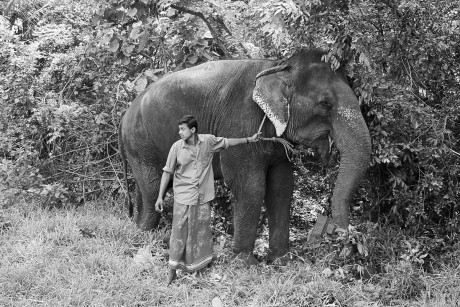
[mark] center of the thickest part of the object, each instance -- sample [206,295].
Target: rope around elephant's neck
[288,147]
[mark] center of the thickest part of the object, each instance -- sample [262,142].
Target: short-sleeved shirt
[193,181]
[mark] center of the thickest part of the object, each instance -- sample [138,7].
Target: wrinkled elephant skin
[307,103]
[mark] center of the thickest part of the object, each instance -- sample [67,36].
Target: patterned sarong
[191,246]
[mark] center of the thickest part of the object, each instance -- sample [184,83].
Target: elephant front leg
[278,197]
[249,192]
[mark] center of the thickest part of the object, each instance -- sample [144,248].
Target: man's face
[185,132]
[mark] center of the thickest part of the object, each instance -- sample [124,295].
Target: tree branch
[208,24]
[220,20]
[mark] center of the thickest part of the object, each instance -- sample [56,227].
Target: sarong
[191,247]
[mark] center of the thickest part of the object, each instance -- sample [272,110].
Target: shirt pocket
[206,157]
[183,158]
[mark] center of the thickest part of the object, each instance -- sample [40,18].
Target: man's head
[187,127]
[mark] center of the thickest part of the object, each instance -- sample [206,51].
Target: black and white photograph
[221,153]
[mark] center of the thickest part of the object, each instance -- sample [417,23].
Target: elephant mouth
[321,146]
[318,140]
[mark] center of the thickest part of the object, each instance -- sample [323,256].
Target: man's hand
[159,204]
[252,139]
[255,138]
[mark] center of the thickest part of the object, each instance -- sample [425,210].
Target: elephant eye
[325,104]
[323,107]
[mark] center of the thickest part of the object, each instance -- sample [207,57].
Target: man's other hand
[159,205]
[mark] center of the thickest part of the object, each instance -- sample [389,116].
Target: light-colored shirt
[193,180]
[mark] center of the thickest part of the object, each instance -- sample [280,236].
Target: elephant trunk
[353,141]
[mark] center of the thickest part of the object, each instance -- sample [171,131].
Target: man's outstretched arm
[251,139]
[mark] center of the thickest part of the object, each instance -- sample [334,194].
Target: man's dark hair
[190,121]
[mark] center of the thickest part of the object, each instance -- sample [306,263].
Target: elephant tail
[121,149]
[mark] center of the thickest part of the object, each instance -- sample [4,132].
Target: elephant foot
[149,226]
[149,222]
[276,260]
[245,258]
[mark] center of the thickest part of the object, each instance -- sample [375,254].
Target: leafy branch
[208,24]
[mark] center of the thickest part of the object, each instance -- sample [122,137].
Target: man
[190,161]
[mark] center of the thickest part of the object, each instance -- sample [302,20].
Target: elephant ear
[272,94]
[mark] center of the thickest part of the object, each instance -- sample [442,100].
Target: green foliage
[411,107]
[313,187]
[56,141]
[383,255]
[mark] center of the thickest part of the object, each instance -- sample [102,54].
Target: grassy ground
[95,256]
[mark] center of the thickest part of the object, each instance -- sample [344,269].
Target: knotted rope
[288,147]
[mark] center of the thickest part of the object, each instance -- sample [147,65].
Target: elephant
[306,102]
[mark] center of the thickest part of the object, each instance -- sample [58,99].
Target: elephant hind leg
[139,204]
[148,185]
[149,218]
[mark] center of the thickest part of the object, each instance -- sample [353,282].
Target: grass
[95,256]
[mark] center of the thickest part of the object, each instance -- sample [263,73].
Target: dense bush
[412,109]
[59,125]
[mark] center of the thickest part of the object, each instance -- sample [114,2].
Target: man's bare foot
[172,275]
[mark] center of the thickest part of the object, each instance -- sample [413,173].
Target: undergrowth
[95,256]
